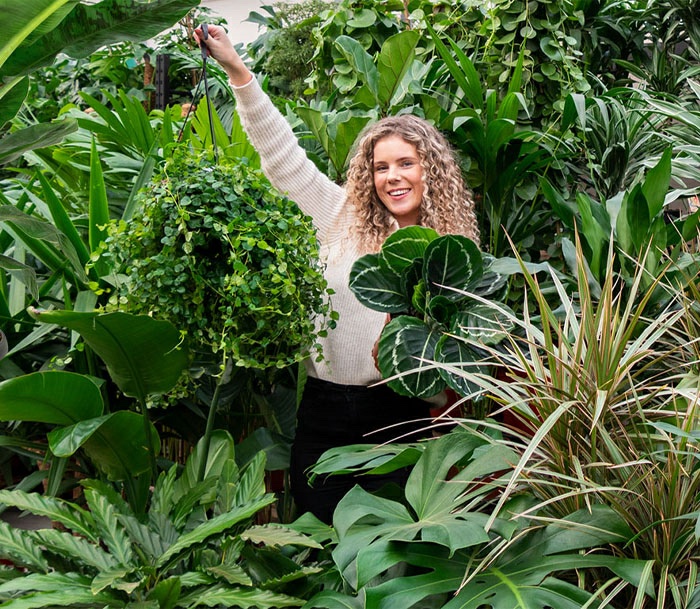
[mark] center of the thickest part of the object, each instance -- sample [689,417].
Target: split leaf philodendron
[436,289]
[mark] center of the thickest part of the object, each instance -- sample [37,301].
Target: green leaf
[244,598]
[109,529]
[461,361]
[166,592]
[56,397]
[656,184]
[116,443]
[586,528]
[22,272]
[363,18]
[69,515]
[215,526]
[633,221]
[485,323]
[406,348]
[15,144]
[98,214]
[404,246]
[62,220]
[365,523]
[17,545]
[90,26]
[76,549]
[395,58]
[279,536]
[464,73]
[361,62]
[143,355]
[329,599]
[46,242]
[452,262]
[12,96]
[375,288]
[22,20]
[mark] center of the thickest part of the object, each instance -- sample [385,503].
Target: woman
[403,173]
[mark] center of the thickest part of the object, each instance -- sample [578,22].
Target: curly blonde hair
[447,206]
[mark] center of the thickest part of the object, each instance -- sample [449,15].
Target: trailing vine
[234,264]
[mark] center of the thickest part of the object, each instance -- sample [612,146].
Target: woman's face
[398,178]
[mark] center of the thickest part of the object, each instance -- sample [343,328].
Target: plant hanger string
[203,78]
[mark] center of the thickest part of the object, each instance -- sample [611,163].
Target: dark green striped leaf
[452,262]
[404,246]
[376,289]
[406,347]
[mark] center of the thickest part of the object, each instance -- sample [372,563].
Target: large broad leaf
[406,348]
[117,443]
[24,21]
[12,97]
[452,263]
[376,288]
[144,356]
[365,523]
[55,397]
[361,62]
[336,132]
[395,58]
[15,144]
[90,26]
[402,247]
[522,575]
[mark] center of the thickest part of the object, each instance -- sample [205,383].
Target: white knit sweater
[347,350]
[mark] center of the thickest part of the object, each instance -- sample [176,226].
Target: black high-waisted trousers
[333,415]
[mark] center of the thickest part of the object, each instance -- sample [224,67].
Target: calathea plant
[436,289]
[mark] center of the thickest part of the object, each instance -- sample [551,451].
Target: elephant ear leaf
[375,288]
[452,263]
[406,347]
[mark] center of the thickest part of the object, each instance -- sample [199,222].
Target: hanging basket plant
[226,258]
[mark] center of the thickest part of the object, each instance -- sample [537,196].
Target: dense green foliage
[214,249]
[576,482]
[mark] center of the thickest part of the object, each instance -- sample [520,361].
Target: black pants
[333,415]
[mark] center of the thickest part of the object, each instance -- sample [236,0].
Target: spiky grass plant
[604,392]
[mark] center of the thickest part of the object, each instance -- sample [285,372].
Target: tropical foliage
[575,328]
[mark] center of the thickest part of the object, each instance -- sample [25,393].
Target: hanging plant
[234,264]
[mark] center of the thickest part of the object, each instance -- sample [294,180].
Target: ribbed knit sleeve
[285,163]
[347,349]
